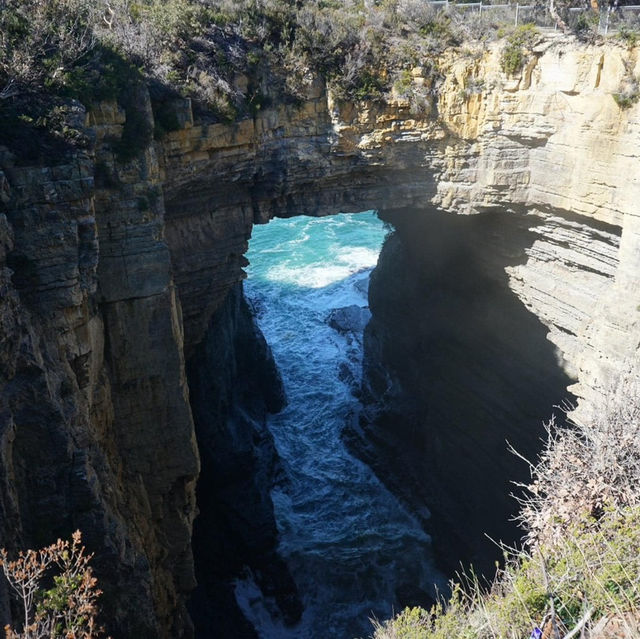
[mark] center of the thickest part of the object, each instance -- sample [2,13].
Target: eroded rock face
[464,369]
[484,325]
[554,141]
[111,273]
[96,426]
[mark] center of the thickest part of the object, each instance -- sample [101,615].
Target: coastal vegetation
[580,565]
[55,591]
[232,59]
[517,48]
[89,51]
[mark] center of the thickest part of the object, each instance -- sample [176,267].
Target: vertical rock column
[152,423]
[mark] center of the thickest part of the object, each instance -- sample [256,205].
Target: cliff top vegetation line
[231,58]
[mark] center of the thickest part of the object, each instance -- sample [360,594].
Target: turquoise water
[348,542]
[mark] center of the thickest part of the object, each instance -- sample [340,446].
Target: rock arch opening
[456,364]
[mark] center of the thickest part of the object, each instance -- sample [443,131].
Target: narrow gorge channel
[354,457]
[353,550]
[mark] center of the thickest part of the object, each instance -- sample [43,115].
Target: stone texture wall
[96,424]
[234,383]
[110,273]
[554,142]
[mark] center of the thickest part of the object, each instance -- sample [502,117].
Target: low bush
[627,96]
[203,48]
[55,590]
[585,467]
[515,52]
[589,574]
[512,59]
[630,36]
[41,41]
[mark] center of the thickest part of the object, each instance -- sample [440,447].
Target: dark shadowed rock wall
[456,367]
[234,383]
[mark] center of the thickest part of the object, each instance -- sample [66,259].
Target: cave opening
[292,540]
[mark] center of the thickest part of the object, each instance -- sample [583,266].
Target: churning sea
[349,544]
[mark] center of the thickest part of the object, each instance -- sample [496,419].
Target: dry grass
[585,467]
[592,573]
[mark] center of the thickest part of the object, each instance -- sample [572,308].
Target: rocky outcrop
[502,307]
[463,369]
[96,426]
[554,141]
[349,319]
[116,278]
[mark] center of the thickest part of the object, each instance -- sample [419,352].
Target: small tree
[68,609]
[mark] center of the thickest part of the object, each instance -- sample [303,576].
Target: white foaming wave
[346,261]
[358,257]
[311,276]
[304,236]
[260,611]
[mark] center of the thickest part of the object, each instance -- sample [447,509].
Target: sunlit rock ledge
[552,142]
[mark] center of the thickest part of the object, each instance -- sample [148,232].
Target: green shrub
[629,36]
[40,41]
[512,59]
[629,96]
[585,25]
[107,75]
[438,26]
[594,567]
[369,86]
[513,56]
[411,623]
[404,82]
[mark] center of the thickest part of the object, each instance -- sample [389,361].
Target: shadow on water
[455,366]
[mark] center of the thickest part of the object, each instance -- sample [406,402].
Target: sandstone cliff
[113,274]
[505,309]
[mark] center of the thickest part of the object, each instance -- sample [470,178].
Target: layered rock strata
[502,313]
[113,273]
[97,428]
[464,369]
